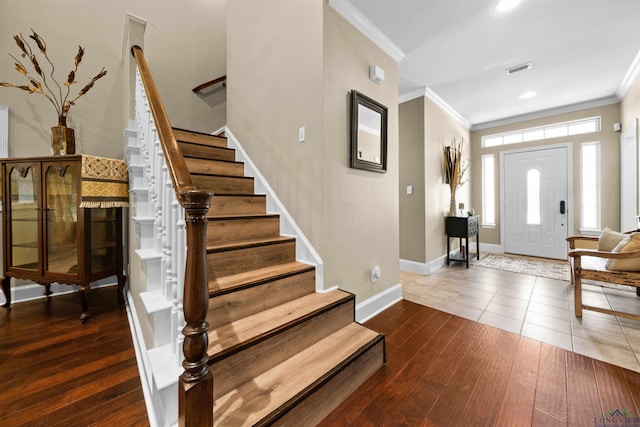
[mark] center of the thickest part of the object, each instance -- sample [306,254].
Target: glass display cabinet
[49,237]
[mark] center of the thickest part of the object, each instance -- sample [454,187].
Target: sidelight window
[488,191]
[590,186]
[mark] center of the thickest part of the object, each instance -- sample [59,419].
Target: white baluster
[169,227]
[181,257]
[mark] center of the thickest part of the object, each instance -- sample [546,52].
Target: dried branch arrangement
[454,167]
[44,83]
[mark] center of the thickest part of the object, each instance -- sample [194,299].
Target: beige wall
[609,157]
[185,46]
[302,75]
[361,207]
[412,171]
[425,129]
[440,129]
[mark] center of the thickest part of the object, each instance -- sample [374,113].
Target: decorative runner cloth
[105,183]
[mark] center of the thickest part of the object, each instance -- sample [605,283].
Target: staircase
[280,352]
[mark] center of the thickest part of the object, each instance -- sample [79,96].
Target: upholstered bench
[616,260]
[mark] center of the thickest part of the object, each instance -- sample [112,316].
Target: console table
[462,227]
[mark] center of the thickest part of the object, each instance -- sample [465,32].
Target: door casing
[570,204]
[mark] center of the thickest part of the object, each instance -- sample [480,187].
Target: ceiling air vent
[518,68]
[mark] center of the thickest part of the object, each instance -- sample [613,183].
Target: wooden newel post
[195,398]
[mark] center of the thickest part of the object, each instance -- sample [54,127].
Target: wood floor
[56,371]
[443,370]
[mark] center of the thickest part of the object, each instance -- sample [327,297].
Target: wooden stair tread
[254,277]
[268,395]
[201,174]
[240,244]
[241,216]
[234,336]
[204,160]
[201,138]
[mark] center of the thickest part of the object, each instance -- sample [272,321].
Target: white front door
[535,202]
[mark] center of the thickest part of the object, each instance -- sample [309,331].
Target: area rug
[558,270]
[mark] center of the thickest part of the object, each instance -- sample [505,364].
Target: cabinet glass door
[60,184]
[103,239]
[23,197]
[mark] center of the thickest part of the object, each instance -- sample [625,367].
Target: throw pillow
[609,239]
[629,244]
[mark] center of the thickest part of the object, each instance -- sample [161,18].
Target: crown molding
[349,12]
[446,107]
[431,95]
[630,77]
[600,102]
[417,93]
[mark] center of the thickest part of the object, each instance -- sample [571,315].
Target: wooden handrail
[213,82]
[195,391]
[180,175]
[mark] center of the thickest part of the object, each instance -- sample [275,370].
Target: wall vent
[518,68]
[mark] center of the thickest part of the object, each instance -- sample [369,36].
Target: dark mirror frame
[357,99]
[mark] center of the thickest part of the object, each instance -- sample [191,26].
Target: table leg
[466,240]
[6,290]
[85,304]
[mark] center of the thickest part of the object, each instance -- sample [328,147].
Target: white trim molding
[629,78]
[349,12]
[446,107]
[424,269]
[378,303]
[4,131]
[601,102]
[431,95]
[134,27]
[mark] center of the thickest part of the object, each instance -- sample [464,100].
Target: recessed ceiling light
[506,5]
[527,95]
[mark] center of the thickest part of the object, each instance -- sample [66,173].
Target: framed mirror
[368,133]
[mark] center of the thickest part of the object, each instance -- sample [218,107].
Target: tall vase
[452,205]
[63,138]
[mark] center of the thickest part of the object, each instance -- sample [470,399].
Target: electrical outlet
[375,274]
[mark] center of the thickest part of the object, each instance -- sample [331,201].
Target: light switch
[409,189]
[301,134]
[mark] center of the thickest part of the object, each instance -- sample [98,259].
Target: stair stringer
[304,251]
[155,304]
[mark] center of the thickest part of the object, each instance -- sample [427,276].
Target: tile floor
[535,307]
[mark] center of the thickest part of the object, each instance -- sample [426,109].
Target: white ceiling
[582,51]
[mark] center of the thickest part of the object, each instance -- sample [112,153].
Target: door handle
[562,207]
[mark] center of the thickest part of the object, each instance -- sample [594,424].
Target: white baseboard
[378,303]
[423,268]
[144,367]
[487,247]
[427,268]
[28,291]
